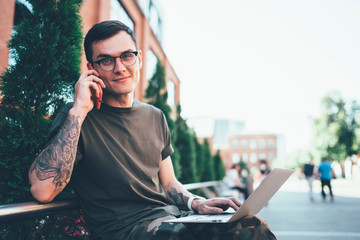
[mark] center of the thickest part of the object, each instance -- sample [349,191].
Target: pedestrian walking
[309,172]
[325,172]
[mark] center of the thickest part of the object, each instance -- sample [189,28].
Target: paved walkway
[292,216]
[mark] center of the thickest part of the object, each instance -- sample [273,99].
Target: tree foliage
[336,129]
[192,161]
[218,166]
[46,51]
[185,144]
[157,95]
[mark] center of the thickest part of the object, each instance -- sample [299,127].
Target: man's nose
[119,66]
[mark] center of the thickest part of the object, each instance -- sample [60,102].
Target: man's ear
[140,58]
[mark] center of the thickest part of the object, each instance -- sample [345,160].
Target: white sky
[267,63]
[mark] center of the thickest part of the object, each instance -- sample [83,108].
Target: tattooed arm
[51,170]
[179,196]
[175,191]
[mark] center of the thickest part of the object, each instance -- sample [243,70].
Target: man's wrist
[190,201]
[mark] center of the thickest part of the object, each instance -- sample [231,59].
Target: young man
[118,156]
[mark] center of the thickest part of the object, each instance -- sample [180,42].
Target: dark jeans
[323,184]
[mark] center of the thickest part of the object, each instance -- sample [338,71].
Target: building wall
[94,11]
[255,147]
[6,25]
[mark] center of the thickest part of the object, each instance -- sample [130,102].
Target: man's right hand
[84,88]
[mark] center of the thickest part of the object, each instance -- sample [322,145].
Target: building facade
[251,149]
[236,144]
[143,16]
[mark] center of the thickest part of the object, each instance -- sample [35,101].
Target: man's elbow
[40,195]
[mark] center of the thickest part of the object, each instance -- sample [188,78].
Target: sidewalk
[292,216]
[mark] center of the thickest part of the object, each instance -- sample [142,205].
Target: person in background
[264,169]
[325,173]
[234,181]
[309,172]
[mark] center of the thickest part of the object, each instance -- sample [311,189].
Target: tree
[208,164]
[186,146]
[335,129]
[157,95]
[46,48]
[219,166]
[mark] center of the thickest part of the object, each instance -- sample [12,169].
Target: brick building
[144,16]
[236,144]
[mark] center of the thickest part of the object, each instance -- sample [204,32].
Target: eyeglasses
[108,64]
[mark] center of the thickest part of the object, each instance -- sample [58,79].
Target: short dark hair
[104,30]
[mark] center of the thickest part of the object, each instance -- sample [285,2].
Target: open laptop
[255,202]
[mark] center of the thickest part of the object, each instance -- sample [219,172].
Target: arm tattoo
[56,160]
[175,197]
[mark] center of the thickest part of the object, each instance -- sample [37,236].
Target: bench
[19,211]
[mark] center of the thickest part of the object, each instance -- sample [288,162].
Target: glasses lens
[107,64]
[128,58]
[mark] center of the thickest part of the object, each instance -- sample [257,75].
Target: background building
[237,144]
[144,16]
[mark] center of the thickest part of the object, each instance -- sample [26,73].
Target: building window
[244,144]
[271,144]
[117,12]
[171,93]
[235,144]
[151,61]
[151,11]
[253,144]
[262,156]
[262,143]
[145,7]
[245,157]
[253,158]
[236,158]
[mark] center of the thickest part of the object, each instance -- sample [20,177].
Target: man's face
[122,80]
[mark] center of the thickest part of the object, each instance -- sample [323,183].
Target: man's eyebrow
[103,55]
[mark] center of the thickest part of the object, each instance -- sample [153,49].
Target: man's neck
[121,101]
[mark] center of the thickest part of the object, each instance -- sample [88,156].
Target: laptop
[255,202]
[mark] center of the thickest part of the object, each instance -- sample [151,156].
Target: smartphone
[97,101]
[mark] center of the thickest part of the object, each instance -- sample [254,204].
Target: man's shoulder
[146,106]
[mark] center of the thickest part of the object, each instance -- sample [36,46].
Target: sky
[267,63]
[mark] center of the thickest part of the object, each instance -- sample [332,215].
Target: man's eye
[126,55]
[106,61]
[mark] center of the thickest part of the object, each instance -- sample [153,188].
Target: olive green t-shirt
[116,175]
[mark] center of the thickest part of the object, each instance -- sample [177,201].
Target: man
[325,173]
[309,172]
[233,180]
[118,156]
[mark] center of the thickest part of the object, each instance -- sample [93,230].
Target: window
[171,93]
[117,12]
[262,156]
[145,7]
[262,144]
[244,144]
[236,158]
[151,61]
[245,157]
[271,144]
[253,144]
[253,158]
[235,144]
